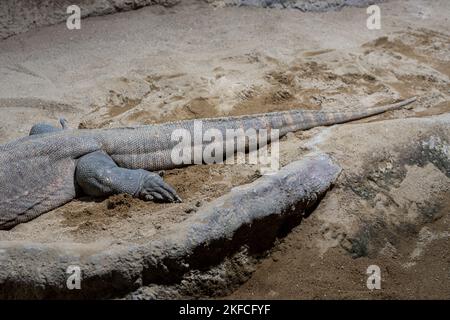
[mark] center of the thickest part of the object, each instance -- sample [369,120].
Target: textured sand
[195,60]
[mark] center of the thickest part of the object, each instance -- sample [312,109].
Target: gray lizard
[51,166]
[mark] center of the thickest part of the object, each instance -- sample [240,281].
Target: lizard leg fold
[98,175]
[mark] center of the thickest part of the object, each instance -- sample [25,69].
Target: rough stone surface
[17,16]
[22,15]
[302,5]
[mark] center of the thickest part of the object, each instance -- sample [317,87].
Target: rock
[17,16]
[302,5]
[396,180]
[250,216]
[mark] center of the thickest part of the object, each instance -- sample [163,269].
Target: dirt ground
[390,209]
[193,61]
[294,270]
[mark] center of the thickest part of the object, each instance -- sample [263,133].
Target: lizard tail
[340,117]
[291,120]
[287,121]
[151,147]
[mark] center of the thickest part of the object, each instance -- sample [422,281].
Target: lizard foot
[154,188]
[40,128]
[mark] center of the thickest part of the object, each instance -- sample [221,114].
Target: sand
[195,60]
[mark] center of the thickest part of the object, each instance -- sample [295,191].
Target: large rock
[251,216]
[302,5]
[17,16]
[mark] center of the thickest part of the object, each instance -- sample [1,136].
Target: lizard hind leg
[40,128]
[98,175]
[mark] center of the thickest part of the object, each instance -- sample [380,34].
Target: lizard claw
[154,188]
[64,123]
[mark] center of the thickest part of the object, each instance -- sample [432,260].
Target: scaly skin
[44,170]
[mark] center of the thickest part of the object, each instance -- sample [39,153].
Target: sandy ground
[389,207]
[192,61]
[156,64]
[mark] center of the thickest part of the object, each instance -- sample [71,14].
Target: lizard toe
[155,186]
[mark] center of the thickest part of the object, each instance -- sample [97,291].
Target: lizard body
[48,168]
